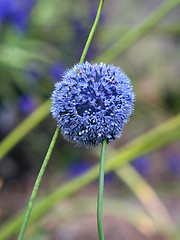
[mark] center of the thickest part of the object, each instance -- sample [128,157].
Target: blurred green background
[39,40]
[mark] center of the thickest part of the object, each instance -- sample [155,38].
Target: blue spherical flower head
[92,102]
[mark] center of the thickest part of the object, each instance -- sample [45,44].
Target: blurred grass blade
[125,42]
[160,136]
[131,37]
[115,207]
[109,33]
[24,128]
[147,196]
[150,141]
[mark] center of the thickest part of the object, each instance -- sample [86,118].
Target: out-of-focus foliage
[38,41]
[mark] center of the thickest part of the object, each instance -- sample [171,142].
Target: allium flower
[92,102]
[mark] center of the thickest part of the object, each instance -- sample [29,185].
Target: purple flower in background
[27,104]
[56,71]
[173,163]
[93,102]
[16,12]
[5,9]
[79,167]
[142,165]
[109,178]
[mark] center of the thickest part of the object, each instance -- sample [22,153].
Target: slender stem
[100,193]
[162,11]
[45,162]
[91,34]
[36,185]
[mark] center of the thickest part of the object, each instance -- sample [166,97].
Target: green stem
[45,162]
[156,138]
[91,34]
[36,185]
[100,193]
[118,48]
